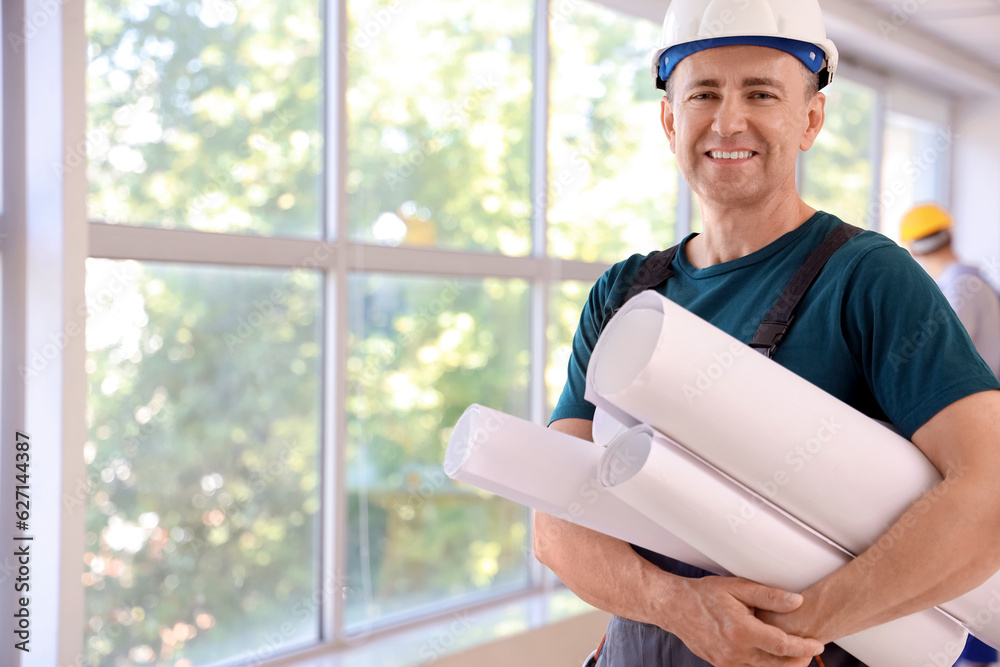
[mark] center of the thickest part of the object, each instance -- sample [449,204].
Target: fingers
[763,659]
[721,627]
[765,597]
[775,641]
[766,637]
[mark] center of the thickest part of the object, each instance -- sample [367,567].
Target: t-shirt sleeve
[910,345]
[610,286]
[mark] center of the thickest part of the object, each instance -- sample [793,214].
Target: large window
[295,291]
[917,155]
[203,411]
[612,185]
[839,168]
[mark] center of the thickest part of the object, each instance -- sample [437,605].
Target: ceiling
[969,26]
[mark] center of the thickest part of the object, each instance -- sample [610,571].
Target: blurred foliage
[421,350]
[839,177]
[566,301]
[439,123]
[206,114]
[612,186]
[203,414]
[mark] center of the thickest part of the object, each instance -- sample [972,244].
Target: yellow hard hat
[923,221]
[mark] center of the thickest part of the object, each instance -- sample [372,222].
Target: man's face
[744,100]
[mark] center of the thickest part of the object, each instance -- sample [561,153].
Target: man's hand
[718,624]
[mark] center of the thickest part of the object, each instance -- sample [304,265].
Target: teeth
[724,155]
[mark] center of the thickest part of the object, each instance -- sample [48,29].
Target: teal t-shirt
[873,330]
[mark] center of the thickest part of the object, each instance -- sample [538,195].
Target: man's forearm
[713,616]
[603,571]
[943,546]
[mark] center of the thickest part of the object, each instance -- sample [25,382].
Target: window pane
[566,301]
[838,175]
[203,416]
[421,350]
[205,115]
[914,167]
[612,177]
[439,132]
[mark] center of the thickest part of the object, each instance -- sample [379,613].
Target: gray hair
[809,79]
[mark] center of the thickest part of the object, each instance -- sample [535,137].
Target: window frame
[45,233]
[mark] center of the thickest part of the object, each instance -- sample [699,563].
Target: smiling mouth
[735,155]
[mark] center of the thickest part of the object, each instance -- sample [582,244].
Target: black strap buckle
[769,334]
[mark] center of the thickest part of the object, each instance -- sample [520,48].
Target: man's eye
[763,96]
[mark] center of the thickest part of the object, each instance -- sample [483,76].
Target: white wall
[976,184]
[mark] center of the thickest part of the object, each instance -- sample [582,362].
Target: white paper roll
[753,540]
[555,473]
[772,430]
[606,428]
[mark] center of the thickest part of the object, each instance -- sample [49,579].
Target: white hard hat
[793,26]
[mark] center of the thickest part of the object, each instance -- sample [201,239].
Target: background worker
[926,231]
[741,100]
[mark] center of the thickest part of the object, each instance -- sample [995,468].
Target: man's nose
[730,117]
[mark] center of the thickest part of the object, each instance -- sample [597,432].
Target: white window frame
[46,240]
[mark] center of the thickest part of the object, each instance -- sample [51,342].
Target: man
[741,100]
[926,231]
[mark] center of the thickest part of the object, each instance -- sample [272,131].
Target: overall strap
[653,272]
[775,326]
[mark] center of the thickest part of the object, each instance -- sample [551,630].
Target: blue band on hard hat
[809,54]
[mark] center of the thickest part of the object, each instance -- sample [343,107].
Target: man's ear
[667,120]
[817,114]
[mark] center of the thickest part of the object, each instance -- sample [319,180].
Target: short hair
[809,79]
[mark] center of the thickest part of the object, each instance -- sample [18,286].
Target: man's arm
[713,616]
[944,545]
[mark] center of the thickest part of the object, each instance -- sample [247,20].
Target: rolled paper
[773,431]
[751,539]
[606,428]
[555,473]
